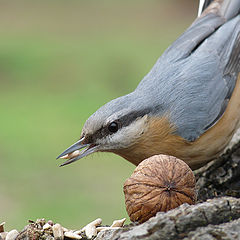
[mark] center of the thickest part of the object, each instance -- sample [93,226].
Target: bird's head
[112,128]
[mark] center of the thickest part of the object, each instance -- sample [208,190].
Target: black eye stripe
[123,121]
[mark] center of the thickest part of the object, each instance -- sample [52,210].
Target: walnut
[159,183]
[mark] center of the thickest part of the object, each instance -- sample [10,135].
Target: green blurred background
[59,62]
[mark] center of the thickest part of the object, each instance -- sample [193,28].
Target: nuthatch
[187,106]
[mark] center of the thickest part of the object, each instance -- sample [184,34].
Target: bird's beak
[73,154]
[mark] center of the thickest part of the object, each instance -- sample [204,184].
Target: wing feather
[195,77]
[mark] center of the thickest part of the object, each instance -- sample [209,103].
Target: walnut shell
[159,183]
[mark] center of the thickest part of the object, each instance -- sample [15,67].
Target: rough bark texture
[213,219]
[216,216]
[221,177]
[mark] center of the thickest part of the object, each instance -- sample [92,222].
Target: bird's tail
[224,8]
[203,4]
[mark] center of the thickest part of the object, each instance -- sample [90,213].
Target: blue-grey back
[190,81]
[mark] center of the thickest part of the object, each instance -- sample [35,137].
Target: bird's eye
[113,127]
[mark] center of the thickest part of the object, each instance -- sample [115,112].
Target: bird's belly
[158,139]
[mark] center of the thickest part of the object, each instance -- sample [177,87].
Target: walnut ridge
[159,183]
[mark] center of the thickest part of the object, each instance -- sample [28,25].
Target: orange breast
[158,138]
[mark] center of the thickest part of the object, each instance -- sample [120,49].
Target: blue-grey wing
[195,77]
[214,68]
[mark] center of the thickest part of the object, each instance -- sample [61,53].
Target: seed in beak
[71,155]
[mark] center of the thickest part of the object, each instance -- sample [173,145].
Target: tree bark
[216,216]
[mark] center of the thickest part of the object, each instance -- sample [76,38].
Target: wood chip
[2,227]
[50,222]
[96,223]
[90,229]
[57,231]
[12,235]
[72,235]
[78,232]
[118,223]
[65,229]
[3,235]
[46,226]
[99,229]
